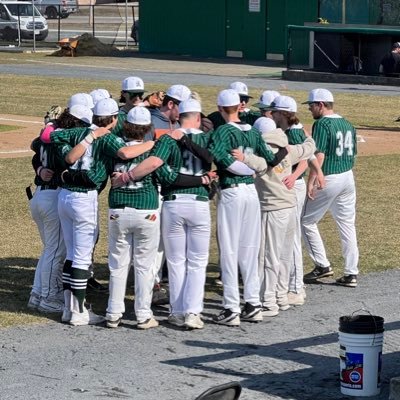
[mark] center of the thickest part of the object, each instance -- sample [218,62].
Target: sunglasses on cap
[244,99]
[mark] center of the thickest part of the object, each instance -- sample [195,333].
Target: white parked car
[19,19]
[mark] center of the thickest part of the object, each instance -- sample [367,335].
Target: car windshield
[23,10]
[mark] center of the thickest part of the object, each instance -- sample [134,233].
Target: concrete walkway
[292,356]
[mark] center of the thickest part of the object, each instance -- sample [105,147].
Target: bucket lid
[361,324]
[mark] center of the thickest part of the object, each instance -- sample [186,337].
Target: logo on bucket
[351,370]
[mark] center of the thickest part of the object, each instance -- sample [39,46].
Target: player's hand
[212,175]
[99,132]
[176,134]
[119,179]
[46,174]
[237,154]
[149,144]
[289,181]
[320,180]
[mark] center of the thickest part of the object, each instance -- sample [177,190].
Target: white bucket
[361,340]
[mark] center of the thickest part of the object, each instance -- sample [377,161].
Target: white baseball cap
[319,95]
[139,116]
[228,97]
[283,103]
[190,105]
[83,99]
[99,94]
[81,112]
[264,124]
[179,92]
[240,88]
[106,107]
[266,98]
[133,84]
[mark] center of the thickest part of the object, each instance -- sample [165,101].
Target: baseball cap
[133,84]
[319,95]
[190,105]
[228,97]
[99,94]
[83,99]
[264,124]
[179,92]
[396,45]
[240,88]
[139,116]
[106,107]
[81,112]
[283,103]
[266,98]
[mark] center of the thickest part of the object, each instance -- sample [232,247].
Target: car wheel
[51,13]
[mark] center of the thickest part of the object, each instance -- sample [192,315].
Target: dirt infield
[16,143]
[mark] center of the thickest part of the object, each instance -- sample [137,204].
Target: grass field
[6,128]
[20,247]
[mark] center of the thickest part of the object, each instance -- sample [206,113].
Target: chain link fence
[22,26]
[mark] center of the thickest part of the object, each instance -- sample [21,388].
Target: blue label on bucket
[351,370]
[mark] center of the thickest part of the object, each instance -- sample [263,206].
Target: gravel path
[292,356]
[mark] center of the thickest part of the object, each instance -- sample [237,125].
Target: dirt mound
[87,45]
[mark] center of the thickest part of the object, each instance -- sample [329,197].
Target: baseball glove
[155,99]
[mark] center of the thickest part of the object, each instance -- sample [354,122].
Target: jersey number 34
[344,142]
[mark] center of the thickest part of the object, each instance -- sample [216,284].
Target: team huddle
[160,153]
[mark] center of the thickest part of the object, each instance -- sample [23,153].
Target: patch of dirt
[16,143]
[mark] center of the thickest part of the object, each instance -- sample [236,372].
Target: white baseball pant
[276,255]
[238,223]
[186,226]
[338,197]
[297,269]
[48,282]
[132,236]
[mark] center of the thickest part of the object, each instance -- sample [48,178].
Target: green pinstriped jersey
[118,129]
[231,136]
[296,135]
[178,160]
[247,117]
[50,157]
[141,194]
[336,138]
[97,159]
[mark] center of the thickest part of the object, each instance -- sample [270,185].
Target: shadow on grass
[378,128]
[316,373]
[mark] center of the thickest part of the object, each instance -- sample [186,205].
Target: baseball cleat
[177,320]
[147,324]
[51,306]
[193,321]
[227,317]
[87,317]
[251,313]
[295,299]
[347,280]
[317,273]
[34,301]
[270,311]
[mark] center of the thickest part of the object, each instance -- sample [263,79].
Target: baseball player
[133,231]
[185,215]
[336,144]
[278,216]
[131,95]
[47,290]
[283,109]
[265,100]
[77,204]
[238,213]
[245,114]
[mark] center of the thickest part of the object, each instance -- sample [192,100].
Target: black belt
[48,187]
[173,197]
[235,185]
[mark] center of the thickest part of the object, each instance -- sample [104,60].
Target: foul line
[20,120]
[15,151]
